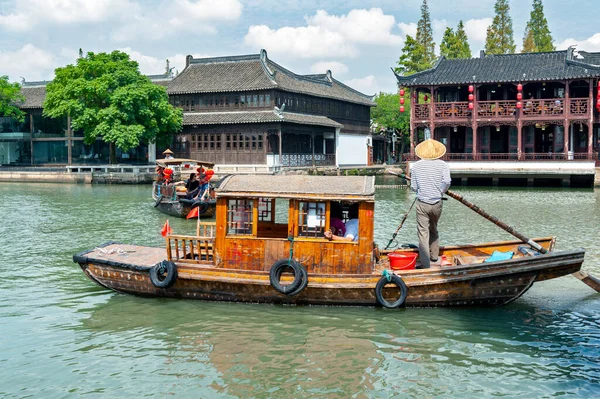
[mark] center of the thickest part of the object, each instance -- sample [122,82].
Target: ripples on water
[63,336]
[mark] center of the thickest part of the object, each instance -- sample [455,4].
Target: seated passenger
[351,227]
[336,220]
[192,185]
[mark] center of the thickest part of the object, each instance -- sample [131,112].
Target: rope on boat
[384,186]
[119,251]
[291,240]
[386,273]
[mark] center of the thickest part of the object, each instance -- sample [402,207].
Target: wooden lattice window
[240,216]
[265,210]
[311,219]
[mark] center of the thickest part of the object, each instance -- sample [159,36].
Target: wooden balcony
[556,156]
[553,108]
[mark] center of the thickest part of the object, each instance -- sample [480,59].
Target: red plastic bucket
[402,260]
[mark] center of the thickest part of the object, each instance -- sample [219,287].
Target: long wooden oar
[489,217]
[401,224]
[588,279]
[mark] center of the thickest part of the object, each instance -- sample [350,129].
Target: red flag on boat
[193,213]
[166,230]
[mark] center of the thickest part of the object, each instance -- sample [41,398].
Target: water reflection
[65,336]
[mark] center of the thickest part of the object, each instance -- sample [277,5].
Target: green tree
[537,26]
[464,50]
[528,43]
[425,34]
[412,59]
[386,116]
[448,43]
[10,98]
[106,97]
[499,39]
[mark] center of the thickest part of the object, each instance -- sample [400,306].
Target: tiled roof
[35,92]
[34,95]
[257,72]
[299,186]
[228,118]
[527,67]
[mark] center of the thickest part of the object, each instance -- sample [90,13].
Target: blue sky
[359,41]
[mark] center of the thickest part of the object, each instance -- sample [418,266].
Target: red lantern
[519,105]
[599,84]
[519,87]
[598,103]
[401,92]
[471,88]
[425,98]
[414,94]
[402,108]
[470,105]
[471,97]
[519,96]
[401,100]
[598,92]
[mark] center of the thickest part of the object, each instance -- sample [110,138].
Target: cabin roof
[234,117]
[504,68]
[181,161]
[299,186]
[257,72]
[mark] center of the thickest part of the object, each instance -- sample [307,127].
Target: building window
[240,215]
[255,100]
[268,100]
[311,219]
[243,101]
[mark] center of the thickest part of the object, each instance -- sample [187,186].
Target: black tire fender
[304,281]
[163,274]
[202,206]
[398,282]
[277,270]
[158,201]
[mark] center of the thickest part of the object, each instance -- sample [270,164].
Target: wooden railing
[512,156]
[496,109]
[421,111]
[579,106]
[301,160]
[206,229]
[452,110]
[190,249]
[537,108]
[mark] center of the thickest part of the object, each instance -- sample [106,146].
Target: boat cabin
[261,220]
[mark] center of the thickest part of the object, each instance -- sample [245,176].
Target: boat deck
[124,255]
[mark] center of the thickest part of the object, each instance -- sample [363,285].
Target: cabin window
[311,219]
[240,214]
[265,210]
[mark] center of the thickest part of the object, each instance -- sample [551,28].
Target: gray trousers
[427,220]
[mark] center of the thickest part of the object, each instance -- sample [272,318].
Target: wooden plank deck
[118,253]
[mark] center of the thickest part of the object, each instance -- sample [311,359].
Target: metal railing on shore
[529,156]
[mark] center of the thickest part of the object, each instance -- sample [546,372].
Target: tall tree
[455,45]
[386,116]
[413,58]
[10,98]
[418,53]
[528,43]
[425,34]
[463,41]
[106,96]
[499,39]
[538,26]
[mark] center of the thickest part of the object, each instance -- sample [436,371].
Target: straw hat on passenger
[430,149]
[168,152]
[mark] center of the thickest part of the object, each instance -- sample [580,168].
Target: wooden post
[69,141]
[431,113]
[280,135]
[519,138]
[474,122]
[566,122]
[31,139]
[591,121]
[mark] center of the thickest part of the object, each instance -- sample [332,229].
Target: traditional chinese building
[518,107]
[248,110]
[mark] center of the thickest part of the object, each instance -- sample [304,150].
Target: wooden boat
[169,199]
[267,245]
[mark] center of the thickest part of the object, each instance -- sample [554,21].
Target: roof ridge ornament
[263,61]
[329,76]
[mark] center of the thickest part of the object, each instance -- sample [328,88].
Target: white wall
[351,150]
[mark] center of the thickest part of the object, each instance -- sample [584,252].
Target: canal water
[62,336]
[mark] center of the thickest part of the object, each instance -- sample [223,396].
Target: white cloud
[408,29]
[28,14]
[29,62]
[367,85]
[592,43]
[327,35]
[336,68]
[476,30]
[150,65]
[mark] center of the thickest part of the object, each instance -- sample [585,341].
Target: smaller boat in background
[170,192]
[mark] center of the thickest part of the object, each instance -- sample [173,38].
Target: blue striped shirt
[430,179]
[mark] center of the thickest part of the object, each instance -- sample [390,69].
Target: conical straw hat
[430,149]
[167,151]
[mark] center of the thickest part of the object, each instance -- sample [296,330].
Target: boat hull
[182,209]
[484,284]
